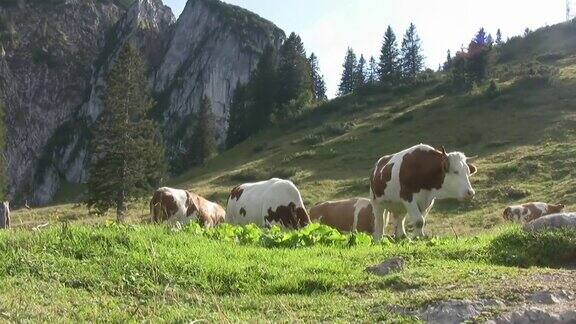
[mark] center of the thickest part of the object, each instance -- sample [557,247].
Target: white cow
[411,180]
[267,203]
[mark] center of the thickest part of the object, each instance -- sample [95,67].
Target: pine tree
[127,153]
[448,63]
[389,58]
[480,37]
[360,73]
[527,32]
[347,80]
[295,81]
[203,145]
[498,37]
[412,59]
[263,91]
[3,166]
[459,74]
[318,83]
[477,57]
[489,40]
[238,130]
[373,69]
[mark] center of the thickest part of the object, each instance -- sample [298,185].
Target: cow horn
[472,158]
[443,150]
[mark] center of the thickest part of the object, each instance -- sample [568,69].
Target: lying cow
[345,215]
[4,214]
[411,180]
[175,205]
[267,203]
[528,212]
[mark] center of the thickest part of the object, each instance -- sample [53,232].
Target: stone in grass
[554,221]
[387,267]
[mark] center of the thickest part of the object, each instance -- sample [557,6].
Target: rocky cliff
[209,50]
[47,50]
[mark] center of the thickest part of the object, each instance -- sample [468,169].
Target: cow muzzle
[469,195]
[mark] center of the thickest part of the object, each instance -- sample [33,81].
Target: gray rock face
[53,76]
[544,307]
[214,47]
[554,221]
[47,54]
[456,311]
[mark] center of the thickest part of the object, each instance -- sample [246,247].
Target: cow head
[457,169]
[555,209]
[508,214]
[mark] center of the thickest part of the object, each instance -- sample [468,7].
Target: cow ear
[473,168]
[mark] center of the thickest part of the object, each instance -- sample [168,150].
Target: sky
[329,27]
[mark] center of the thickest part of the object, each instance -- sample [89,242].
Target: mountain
[57,55]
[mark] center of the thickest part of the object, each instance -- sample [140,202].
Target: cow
[267,203]
[528,212]
[183,207]
[409,182]
[4,215]
[351,215]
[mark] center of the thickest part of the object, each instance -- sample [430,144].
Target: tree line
[395,65]
[284,82]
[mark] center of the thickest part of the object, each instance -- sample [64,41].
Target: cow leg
[378,221]
[416,218]
[399,229]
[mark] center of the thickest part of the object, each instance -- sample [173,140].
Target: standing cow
[4,215]
[411,180]
[267,203]
[175,205]
[349,215]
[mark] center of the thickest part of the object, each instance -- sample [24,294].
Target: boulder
[391,265]
[554,221]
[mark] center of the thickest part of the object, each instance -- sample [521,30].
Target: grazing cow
[4,215]
[267,203]
[528,212]
[345,215]
[175,205]
[411,180]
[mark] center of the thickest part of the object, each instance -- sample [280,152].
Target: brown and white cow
[182,206]
[528,212]
[409,182]
[267,203]
[349,215]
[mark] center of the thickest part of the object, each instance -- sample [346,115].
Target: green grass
[132,273]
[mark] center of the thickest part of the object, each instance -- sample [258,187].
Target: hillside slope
[524,138]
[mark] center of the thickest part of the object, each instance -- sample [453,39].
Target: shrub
[314,234]
[492,90]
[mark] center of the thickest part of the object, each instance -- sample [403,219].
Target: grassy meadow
[135,273]
[79,267]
